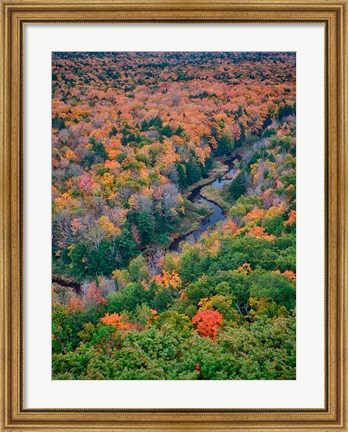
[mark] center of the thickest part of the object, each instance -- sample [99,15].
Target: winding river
[217,214]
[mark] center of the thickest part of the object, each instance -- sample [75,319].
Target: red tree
[207,322]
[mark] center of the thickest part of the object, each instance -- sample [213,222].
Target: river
[217,214]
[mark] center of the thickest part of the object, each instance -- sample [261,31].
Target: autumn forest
[174,216]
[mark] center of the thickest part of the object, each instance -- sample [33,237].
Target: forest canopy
[174,215]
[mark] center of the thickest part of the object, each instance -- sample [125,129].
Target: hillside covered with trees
[174,216]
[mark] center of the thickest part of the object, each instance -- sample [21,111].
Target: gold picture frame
[14,14]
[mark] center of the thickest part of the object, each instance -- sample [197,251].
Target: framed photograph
[174,198]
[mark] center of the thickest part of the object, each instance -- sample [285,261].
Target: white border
[308,390]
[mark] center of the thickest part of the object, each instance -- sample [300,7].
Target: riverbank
[214,211]
[193,222]
[219,169]
[213,194]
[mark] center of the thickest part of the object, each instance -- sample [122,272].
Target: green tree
[237,187]
[182,178]
[193,171]
[274,287]
[98,148]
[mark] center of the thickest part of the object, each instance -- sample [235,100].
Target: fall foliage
[115,320]
[174,215]
[207,322]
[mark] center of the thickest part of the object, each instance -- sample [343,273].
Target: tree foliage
[135,135]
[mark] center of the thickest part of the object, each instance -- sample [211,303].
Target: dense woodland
[133,135]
